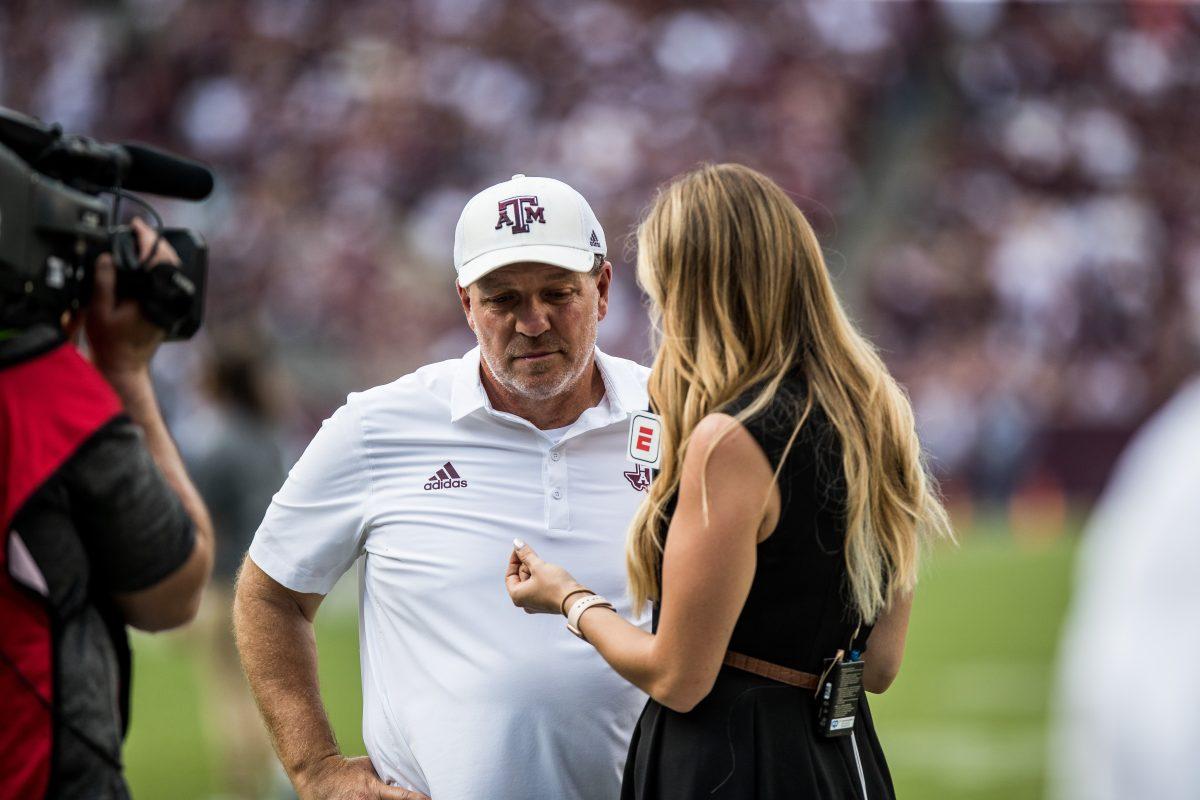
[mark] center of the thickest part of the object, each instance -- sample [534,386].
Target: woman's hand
[535,585]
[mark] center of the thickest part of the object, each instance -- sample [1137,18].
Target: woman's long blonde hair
[741,297]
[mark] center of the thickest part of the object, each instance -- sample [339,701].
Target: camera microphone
[158,172]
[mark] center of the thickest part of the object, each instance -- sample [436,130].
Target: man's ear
[603,282]
[464,297]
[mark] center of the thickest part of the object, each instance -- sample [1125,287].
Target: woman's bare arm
[708,566]
[885,645]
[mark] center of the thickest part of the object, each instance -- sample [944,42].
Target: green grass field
[966,718]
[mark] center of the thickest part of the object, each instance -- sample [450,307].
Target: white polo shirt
[466,697]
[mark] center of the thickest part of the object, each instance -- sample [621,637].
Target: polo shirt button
[555,455]
[556,494]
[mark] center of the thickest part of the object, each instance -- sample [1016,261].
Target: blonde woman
[781,535]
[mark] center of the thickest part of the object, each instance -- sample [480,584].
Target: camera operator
[101,528]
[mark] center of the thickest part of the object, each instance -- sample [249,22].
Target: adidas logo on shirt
[445,478]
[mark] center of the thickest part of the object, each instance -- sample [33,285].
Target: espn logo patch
[645,439]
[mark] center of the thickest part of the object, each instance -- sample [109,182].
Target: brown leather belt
[792,677]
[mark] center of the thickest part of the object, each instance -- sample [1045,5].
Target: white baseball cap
[526,219]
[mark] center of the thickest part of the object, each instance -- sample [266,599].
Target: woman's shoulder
[773,424]
[786,407]
[720,434]
[729,457]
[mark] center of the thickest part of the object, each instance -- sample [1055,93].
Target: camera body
[54,223]
[172,297]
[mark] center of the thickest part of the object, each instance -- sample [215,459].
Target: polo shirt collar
[467,395]
[623,393]
[623,386]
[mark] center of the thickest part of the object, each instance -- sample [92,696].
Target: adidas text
[445,478]
[445,484]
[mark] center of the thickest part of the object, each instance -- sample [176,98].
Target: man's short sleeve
[137,532]
[312,531]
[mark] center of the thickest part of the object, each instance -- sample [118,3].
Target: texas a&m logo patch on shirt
[638,477]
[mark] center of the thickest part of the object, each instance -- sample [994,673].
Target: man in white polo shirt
[428,480]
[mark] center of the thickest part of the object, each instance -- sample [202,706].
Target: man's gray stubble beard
[508,382]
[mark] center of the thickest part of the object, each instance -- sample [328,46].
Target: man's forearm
[137,395]
[279,655]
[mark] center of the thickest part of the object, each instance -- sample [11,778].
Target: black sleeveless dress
[753,737]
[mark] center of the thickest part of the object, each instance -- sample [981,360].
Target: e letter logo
[645,439]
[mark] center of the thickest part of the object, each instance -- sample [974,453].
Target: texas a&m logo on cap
[645,439]
[519,212]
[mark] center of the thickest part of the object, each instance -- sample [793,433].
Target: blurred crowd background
[1005,191]
[1006,194]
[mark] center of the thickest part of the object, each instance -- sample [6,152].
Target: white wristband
[581,605]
